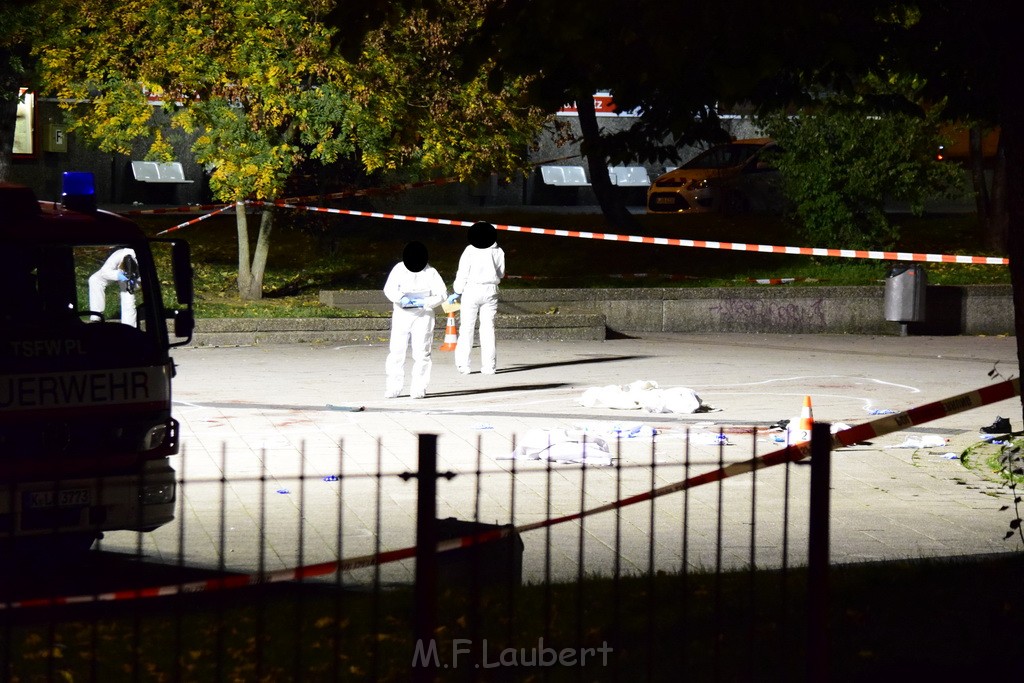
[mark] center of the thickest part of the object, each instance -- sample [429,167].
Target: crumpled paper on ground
[644,394]
[564,446]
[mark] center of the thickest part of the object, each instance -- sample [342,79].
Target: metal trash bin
[497,562]
[905,294]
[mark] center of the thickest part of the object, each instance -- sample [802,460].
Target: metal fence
[495,572]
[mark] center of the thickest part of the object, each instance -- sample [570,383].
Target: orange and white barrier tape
[780,280]
[197,220]
[666,241]
[792,453]
[926,413]
[177,209]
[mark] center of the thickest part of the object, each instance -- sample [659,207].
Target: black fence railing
[565,570]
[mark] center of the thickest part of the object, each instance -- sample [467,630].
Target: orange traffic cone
[802,432]
[451,334]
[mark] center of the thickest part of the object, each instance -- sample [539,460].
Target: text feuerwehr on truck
[86,431]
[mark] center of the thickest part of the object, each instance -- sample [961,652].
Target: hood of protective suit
[415,257]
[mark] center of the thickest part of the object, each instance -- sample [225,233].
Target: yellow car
[733,178]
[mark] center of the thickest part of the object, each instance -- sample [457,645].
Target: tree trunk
[259,256]
[977,165]
[990,206]
[998,217]
[250,271]
[612,204]
[8,119]
[1011,149]
[244,271]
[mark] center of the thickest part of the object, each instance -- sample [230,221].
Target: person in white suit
[122,268]
[481,268]
[414,288]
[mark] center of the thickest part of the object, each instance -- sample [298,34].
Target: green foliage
[843,161]
[415,109]
[234,73]
[260,89]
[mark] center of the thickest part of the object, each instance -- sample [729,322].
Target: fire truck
[86,432]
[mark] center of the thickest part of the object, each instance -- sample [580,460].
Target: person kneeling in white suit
[122,268]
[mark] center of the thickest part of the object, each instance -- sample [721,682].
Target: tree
[231,73]
[845,158]
[261,88]
[20,23]
[676,63]
[420,108]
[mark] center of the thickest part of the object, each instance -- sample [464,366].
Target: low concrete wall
[249,331]
[254,331]
[783,309]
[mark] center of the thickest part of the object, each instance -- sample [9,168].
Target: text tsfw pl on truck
[86,431]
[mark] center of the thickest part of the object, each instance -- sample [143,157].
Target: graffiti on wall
[790,315]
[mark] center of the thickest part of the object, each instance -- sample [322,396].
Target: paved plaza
[287,431]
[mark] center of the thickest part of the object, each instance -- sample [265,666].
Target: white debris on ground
[564,446]
[922,441]
[645,394]
[592,445]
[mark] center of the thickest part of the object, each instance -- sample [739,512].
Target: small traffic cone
[451,334]
[803,431]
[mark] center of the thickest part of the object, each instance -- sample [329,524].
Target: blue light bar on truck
[79,191]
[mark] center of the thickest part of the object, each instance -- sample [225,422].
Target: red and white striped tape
[780,280]
[196,220]
[178,209]
[665,241]
[613,237]
[847,437]
[928,412]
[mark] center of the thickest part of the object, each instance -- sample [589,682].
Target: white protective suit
[109,273]
[476,282]
[411,327]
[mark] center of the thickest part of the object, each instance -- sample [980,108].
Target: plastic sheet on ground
[922,441]
[563,446]
[646,395]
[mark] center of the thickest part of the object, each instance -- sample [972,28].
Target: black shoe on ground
[1000,426]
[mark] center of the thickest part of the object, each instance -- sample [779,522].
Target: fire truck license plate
[64,498]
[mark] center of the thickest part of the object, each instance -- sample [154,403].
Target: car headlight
[154,437]
[157,494]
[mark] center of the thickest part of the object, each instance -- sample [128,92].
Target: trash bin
[497,562]
[905,294]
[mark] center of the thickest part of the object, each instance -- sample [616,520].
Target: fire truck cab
[85,399]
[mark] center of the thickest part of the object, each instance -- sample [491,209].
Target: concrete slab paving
[297,440]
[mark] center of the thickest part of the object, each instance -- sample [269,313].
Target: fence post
[818,554]
[425,589]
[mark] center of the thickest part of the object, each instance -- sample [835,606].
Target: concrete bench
[159,172]
[564,176]
[629,176]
